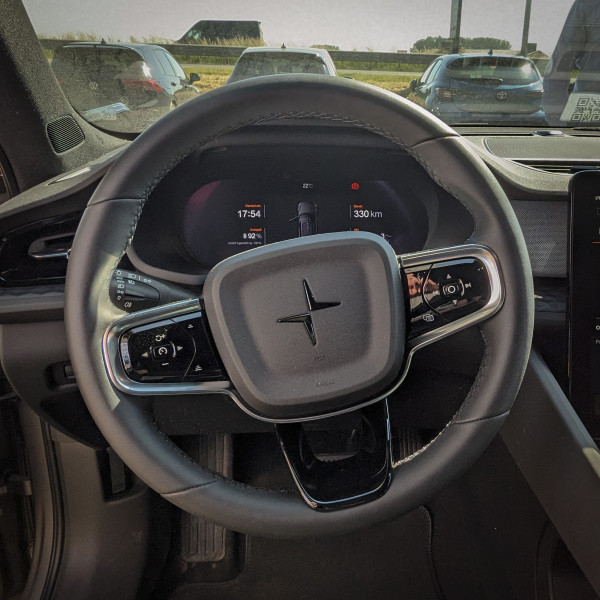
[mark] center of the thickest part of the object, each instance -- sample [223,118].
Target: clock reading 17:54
[251,211]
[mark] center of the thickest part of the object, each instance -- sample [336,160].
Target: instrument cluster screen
[225,217]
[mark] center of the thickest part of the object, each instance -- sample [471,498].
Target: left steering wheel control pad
[309,327]
[170,351]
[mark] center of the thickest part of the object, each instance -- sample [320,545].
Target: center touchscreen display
[584,299]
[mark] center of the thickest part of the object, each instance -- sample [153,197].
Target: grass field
[210,76]
[393,82]
[214,71]
[215,76]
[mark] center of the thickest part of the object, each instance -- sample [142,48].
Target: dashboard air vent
[36,253]
[560,166]
[64,134]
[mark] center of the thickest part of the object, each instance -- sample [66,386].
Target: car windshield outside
[549,46]
[501,69]
[273,61]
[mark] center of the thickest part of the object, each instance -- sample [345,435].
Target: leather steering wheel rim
[107,228]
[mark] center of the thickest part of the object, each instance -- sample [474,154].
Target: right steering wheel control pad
[443,292]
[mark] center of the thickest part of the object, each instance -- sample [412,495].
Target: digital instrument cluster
[228,216]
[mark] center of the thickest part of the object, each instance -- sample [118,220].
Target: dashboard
[263,185]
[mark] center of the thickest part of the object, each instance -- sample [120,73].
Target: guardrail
[339,56]
[400,59]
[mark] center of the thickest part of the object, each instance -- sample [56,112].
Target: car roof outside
[451,57]
[316,51]
[140,48]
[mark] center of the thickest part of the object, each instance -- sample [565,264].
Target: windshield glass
[506,70]
[469,62]
[255,64]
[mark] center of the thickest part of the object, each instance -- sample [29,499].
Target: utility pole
[455,17]
[525,40]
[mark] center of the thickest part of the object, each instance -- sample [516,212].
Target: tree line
[443,43]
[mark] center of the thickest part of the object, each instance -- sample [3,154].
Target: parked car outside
[256,62]
[215,32]
[481,88]
[123,87]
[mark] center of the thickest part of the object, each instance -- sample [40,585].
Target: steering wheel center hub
[309,327]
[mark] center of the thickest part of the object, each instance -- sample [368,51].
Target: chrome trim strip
[46,255]
[116,372]
[70,175]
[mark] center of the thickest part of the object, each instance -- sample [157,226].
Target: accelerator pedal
[203,541]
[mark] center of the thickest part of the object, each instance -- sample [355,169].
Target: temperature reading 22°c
[360,211]
[251,211]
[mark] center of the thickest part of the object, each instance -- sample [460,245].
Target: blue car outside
[481,89]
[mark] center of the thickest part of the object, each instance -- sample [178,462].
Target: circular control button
[164,351]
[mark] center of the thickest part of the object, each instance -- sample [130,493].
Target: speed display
[228,216]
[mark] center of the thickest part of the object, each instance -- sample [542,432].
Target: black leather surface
[508,334]
[107,228]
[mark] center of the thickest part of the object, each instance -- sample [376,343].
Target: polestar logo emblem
[306,318]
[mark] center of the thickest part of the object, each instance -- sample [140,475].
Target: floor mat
[390,561]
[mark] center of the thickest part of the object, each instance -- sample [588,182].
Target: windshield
[505,70]
[255,64]
[469,62]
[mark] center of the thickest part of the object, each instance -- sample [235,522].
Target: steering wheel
[304,329]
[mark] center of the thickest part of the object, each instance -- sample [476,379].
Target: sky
[381,25]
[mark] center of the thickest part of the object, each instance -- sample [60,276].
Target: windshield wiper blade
[471,124]
[484,80]
[588,128]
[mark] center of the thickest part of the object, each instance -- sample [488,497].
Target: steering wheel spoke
[353,467]
[163,350]
[449,289]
